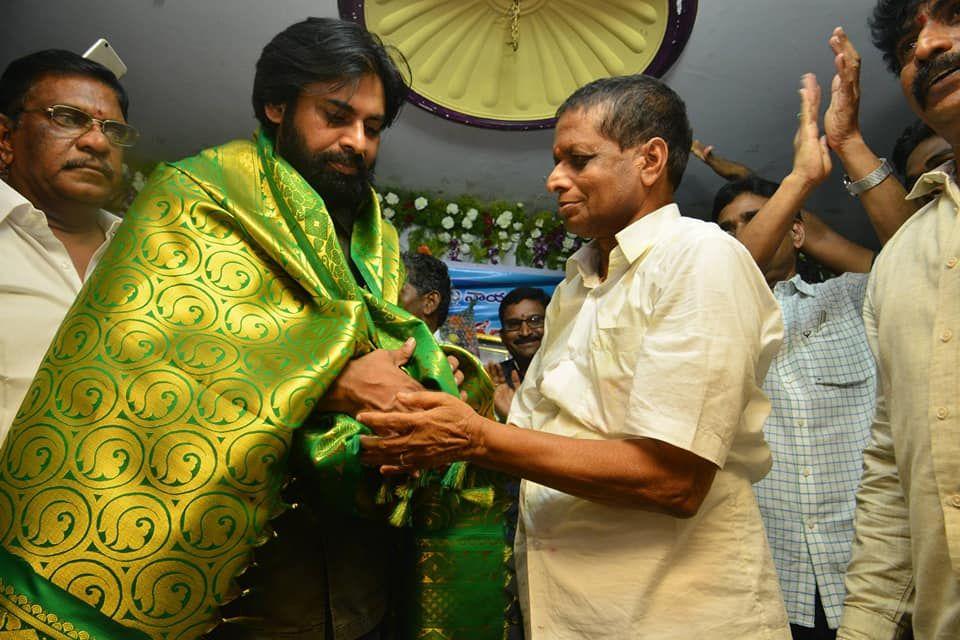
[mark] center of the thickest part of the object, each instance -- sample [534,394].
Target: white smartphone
[101,51]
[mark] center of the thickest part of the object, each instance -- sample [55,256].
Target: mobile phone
[101,51]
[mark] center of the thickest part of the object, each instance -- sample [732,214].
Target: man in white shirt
[638,427]
[62,133]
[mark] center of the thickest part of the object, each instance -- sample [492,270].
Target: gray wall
[191,69]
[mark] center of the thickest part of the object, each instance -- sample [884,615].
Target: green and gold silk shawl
[146,461]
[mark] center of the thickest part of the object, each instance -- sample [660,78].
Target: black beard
[342,192]
[930,70]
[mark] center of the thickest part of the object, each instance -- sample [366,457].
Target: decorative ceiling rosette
[509,64]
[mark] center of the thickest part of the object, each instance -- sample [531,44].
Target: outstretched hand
[700,150]
[811,156]
[426,429]
[841,124]
[371,381]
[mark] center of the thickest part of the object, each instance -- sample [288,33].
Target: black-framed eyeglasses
[78,122]
[512,325]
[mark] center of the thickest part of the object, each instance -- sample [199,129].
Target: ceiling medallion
[509,64]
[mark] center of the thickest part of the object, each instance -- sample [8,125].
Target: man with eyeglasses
[522,314]
[63,131]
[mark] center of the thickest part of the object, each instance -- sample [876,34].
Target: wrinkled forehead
[524,308]
[83,92]
[744,204]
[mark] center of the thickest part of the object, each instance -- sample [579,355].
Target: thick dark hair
[751,184]
[915,133]
[635,109]
[324,50]
[21,74]
[425,274]
[887,25]
[523,293]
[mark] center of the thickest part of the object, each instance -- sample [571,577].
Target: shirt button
[801,423]
[64,265]
[946,335]
[955,501]
[951,263]
[807,471]
[811,525]
[942,413]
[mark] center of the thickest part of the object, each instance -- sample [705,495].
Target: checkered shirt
[822,387]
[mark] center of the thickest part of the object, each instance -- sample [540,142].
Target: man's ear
[653,154]
[6,142]
[797,234]
[274,112]
[431,302]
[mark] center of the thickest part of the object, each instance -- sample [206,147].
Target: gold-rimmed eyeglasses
[78,122]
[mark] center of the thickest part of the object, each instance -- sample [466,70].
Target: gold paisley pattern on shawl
[147,458]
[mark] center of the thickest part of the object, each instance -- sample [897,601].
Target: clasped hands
[414,428]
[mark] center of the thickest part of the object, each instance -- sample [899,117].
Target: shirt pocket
[842,368]
[613,358]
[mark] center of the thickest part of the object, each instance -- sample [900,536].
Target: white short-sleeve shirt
[38,284]
[672,345]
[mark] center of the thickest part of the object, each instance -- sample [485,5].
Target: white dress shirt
[38,283]
[673,345]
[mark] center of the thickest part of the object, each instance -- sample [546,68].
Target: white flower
[517,226]
[421,203]
[536,233]
[467,238]
[138,181]
[443,237]
[392,198]
[446,223]
[453,207]
[504,235]
[515,237]
[529,243]
[519,205]
[379,197]
[472,214]
[504,219]
[572,236]
[388,213]
[567,244]
[467,223]
[539,223]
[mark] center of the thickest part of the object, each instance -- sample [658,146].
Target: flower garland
[467,228]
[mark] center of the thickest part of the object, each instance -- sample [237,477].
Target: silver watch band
[870,180]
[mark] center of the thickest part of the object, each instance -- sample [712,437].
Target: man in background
[63,132]
[426,292]
[522,315]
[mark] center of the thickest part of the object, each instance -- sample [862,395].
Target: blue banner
[485,285]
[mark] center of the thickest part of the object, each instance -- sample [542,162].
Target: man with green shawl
[244,312]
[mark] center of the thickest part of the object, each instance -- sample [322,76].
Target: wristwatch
[870,180]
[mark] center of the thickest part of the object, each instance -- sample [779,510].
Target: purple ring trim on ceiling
[679,28]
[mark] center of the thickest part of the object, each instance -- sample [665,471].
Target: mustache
[533,338]
[90,163]
[352,160]
[929,71]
